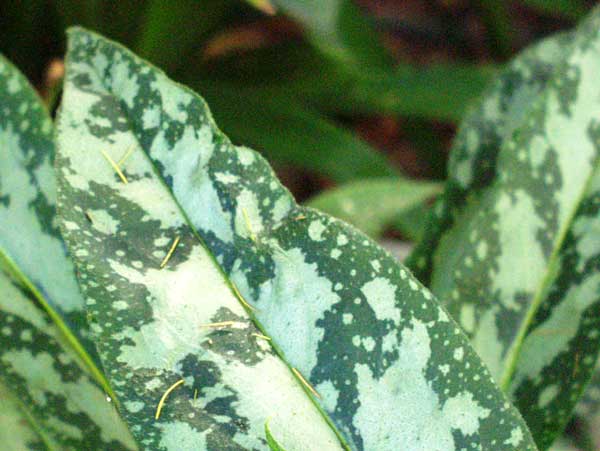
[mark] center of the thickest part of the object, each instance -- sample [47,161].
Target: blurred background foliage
[353,102]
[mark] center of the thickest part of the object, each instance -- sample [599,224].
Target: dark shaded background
[388,106]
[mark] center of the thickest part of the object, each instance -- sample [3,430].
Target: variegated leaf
[588,408]
[518,256]
[61,401]
[392,370]
[30,241]
[16,433]
[472,161]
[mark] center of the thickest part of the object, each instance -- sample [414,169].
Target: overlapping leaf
[472,163]
[68,409]
[16,434]
[588,408]
[372,205]
[44,371]
[339,29]
[30,241]
[518,253]
[392,370]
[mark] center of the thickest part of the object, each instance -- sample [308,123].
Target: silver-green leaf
[30,240]
[56,394]
[380,359]
[516,251]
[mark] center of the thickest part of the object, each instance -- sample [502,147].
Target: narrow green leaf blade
[160,39]
[289,133]
[372,205]
[437,91]
[339,29]
[67,408]
[392,369]
[519,266]
[273,445]
[571,9]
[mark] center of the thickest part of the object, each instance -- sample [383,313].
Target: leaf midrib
[545,283]
[228,281]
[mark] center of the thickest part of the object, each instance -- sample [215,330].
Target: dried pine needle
[221,324]
[248,224]
[124,158]
[161,403]
[264,337]
[115,166]
[170,253]
[306,384]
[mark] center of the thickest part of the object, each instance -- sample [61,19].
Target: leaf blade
[372,205]
[15,431]
[68,407]
[28,229]
[525,324]
[261,250]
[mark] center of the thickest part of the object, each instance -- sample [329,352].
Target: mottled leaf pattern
[372,205]
[16,433]
[392,370]
[472,161]
[157,325]
[519,252]
[30,240]
[69,409]
[588,408]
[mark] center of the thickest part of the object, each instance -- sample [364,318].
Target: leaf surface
[372,205]
[588,408]
[488,123]
[517,255]
[391,369]
[16,434]
[61,401]
[28,230]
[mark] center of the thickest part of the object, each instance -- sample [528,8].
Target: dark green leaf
[286,132]
[339,29]
[162,39]
[571,9]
